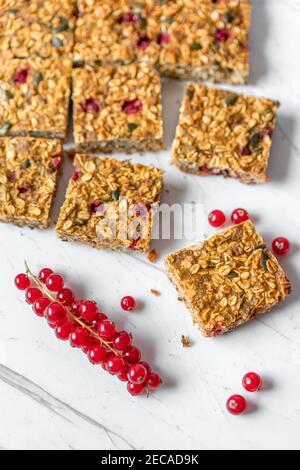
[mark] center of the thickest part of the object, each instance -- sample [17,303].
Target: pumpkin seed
[230,100]
[5,128]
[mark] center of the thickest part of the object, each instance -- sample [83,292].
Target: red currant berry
[252,382]
[75,308]
[217,218]
[40,306]
[281,246]
[97,354]
[153,380]
[239,215]
[44,274]
[236,404]
[122,375]
[99,318]
[89,344]
[135,389]
[22,281]
[128,303]
[55,282]
[114,364]
[65,297]
[63,330]
[132,355]
[32,294]
[55,313]
[107,330]
[137,374]
[88,310]
[79,337]
[122,341]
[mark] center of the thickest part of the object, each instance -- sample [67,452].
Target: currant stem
[69,313]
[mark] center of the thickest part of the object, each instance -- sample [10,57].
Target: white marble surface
[52,398]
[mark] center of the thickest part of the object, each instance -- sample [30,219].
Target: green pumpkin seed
[168,20]
[5,128]
[115,195]
[37,78]
[230,100]
[196,46]
[233,275]
[254,140]
[264,259]
[260,247]
[57,42]
[63,25]
[229,16]
[132,126]
[26,165]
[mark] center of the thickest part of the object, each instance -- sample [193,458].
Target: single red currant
[65,297]
[75,308]
[128,303]
[97,354]
[99,318]
[148,368]
[88,310]
[236,404]
[55,283]
[154,380]
[55,313]
[107,330]
[114,364]
[252,382]
[22,281]
[137,374]
[32,294]
[63,330]
[79,337]
[281,246]
[122,375]
[44,274]
[122,341]
[217,218]
[40,306]
[135,389]
[239,215]
[132,355]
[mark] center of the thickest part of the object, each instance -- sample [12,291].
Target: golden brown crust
[220,132]
[96,196]
[117,108]
[228,279]
[28,177]
[34,97]
[183,38]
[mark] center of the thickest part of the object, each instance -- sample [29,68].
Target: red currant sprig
[86,328]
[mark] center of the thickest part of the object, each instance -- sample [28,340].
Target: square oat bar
[117,109]
[110,204]
[199,39]
[221,132]
[34,97]
[203,39]
[114,32]
[28,176]
[42,28]
[228,280]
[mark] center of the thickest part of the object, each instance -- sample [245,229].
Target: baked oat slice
[221,132]
[34,97]
[117,109]
[42,28]
[28,177]
[111,32]
[204,39]
[110,204]
[228,280]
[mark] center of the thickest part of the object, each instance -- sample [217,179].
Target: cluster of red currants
[217,219]
[237,404]
[81,322]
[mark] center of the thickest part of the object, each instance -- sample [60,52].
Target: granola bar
[117,109]
[34,97]
[28,177]
[199,39]
[110,204]
[43,28]
[221,132]
[228,280]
